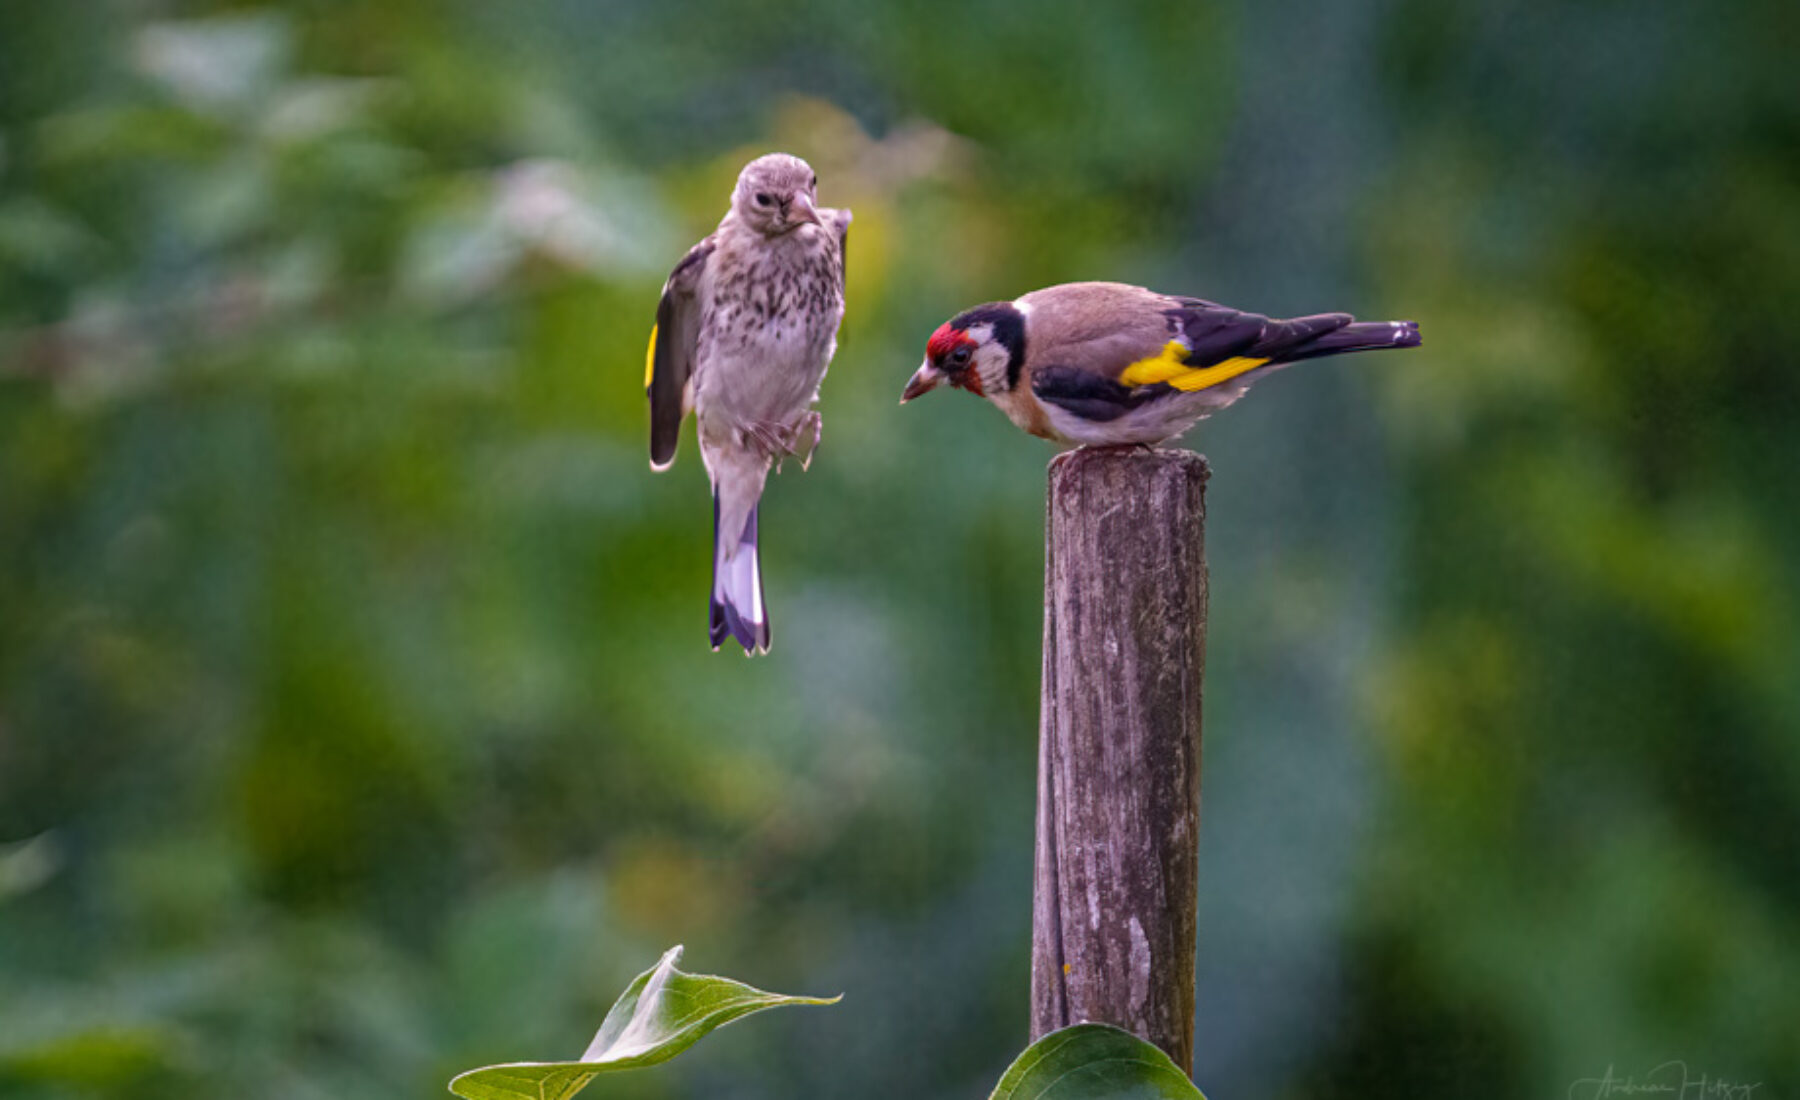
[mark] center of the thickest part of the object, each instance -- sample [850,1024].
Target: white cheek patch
[990,357]
[992,365]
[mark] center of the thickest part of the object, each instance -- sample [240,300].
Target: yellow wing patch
[1211,376]
[650,359]
[1161,368]
[1170,366]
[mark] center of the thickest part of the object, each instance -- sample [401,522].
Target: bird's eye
[763,199]
[960,356]
[813,183]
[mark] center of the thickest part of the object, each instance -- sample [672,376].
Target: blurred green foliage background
[357,724]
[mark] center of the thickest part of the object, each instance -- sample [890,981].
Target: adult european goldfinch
[746,327]
[1108,364]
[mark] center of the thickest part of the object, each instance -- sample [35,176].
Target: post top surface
[1192,462]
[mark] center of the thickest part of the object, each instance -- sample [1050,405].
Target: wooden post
[1118,816]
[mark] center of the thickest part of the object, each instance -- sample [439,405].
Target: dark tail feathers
[737,608]
[1360,336]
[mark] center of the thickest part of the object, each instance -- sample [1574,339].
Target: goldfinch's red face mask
[949,357]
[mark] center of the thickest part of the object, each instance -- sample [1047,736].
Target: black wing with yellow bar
[669,362]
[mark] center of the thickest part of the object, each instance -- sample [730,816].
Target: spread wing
[669,362]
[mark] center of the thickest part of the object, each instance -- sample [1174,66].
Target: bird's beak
[804,210]
[926,379]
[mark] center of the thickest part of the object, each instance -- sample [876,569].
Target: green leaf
[1094,1062]
[661,1013]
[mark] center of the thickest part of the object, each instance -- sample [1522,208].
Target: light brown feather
[1102,327]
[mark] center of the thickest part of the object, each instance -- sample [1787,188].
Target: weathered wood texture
[1119,745]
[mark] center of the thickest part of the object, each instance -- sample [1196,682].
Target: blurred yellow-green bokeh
[357,722]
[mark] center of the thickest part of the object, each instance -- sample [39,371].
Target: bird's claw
[782,441]
[811,427]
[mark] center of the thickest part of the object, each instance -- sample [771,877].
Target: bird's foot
[798,439]
[808,431]
[1120,448]
[767,437]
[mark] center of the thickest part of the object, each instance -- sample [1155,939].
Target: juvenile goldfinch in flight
[1110,364]
[746,327]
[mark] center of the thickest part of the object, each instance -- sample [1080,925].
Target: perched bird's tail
[737,589]
[1358,336]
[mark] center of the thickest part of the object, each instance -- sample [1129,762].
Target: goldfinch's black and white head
[776,194]
[981,350]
